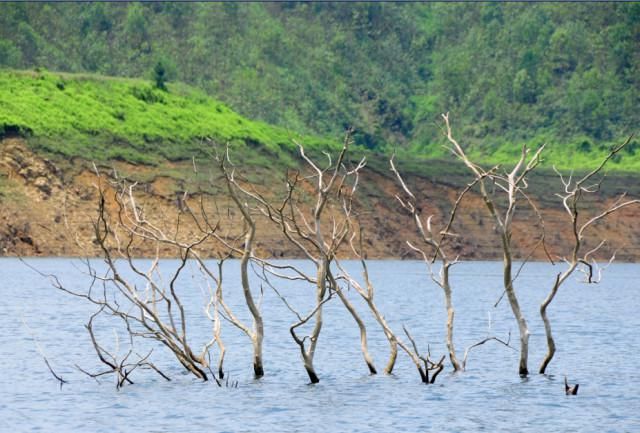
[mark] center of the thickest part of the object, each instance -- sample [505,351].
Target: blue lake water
[597,329]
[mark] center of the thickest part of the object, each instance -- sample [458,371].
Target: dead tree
[367,291]
[513,184]
[256,334]
[572,197]
[150,306]
[217,307]
[212,310]
[120,368]
[570,389]
[317,235]
[488,338]
[437,242]
[55,375]
[429,365]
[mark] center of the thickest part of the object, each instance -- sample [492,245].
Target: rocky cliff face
[47,211]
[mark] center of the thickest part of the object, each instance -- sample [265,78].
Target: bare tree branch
[59,378]
[573,196]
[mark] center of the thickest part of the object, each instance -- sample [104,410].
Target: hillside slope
[104,118]
[48,211]
[55,127]
[566,74]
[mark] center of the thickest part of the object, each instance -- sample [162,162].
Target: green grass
[102,118]
[577,153]
[98,118]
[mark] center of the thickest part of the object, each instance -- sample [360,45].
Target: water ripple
[596,346]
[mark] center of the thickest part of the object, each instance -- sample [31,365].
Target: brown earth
[46,210]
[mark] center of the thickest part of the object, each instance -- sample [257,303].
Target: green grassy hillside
[104,118]
[101,118]
[563,73]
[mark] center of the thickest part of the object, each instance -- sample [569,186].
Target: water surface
[596,327]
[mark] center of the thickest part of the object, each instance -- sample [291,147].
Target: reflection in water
[596,343]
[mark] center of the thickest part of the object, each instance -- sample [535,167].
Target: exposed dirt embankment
[47,211]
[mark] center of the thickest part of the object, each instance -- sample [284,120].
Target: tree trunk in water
[363,332]
[424,375]
[452,351]
[313,377]
[551,344]
[258,369]
[523,369]
[391,337]
[221,362]
[321,290]
[187,361]
[524,333]
[258,332]
[192,367]
[450,317]
[393,355]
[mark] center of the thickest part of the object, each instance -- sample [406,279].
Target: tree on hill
[552,73]
[160,76]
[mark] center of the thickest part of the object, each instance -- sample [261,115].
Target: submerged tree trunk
[257,333]
[313,377]
[551,344]
[512,184]
[450,317]
[363,331]
[258,369]
[321,290]
[430,237]
[364,346]
[368,295]
[574,193]
[523,329]
[391,337]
